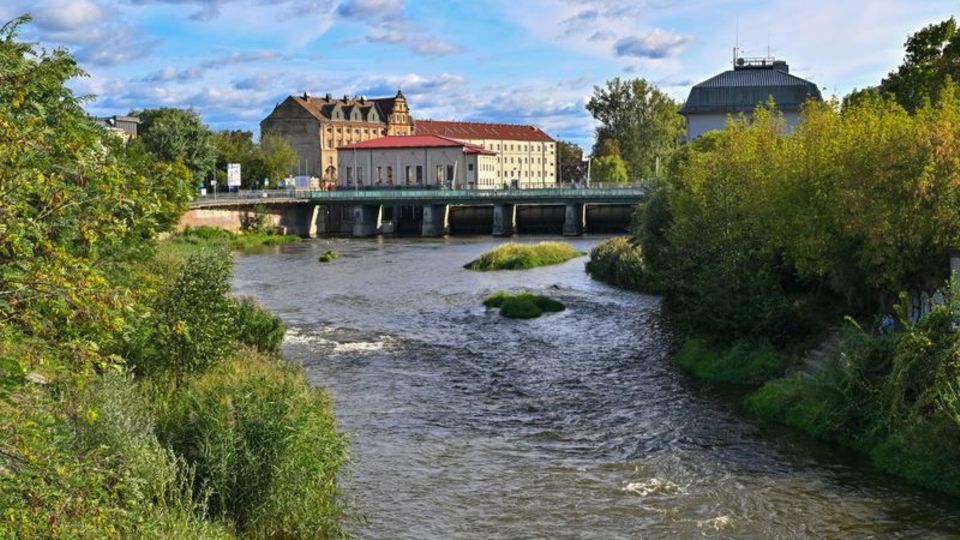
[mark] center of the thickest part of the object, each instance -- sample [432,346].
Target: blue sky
[515,61]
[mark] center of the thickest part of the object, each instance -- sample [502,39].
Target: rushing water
[573,425]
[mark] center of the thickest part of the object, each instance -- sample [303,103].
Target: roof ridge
[508,124]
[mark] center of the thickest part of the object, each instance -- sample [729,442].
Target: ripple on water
[467,425]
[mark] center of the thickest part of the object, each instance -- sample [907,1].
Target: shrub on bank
[263,444]
[894,397]
[523,305]
[212,237]
[743,363]
[512,256]
[255,326]
[619,262]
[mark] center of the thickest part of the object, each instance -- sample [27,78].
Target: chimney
[781,65]
[306,95]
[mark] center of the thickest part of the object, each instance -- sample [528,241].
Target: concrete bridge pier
[575,219]
[504,219]
[301,220]
[436,220]
[366,219]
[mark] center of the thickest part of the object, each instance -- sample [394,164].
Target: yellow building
[316,126]
[526,155]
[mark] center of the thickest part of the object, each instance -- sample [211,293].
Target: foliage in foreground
[512,256]
[523,305]
[90,309]
[619,262]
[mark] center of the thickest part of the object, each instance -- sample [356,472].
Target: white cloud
[64,15]
[656,44]
[411,36]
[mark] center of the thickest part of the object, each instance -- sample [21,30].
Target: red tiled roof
[478,130]
[417,141]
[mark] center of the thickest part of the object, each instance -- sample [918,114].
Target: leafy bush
[255,326]
[192,327]
[263,444]
[523,305]
[619,262]
[744,363]
[894,397]
[511,256]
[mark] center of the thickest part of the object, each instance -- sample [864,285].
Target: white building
[526,155]
[415,160]
[751,82]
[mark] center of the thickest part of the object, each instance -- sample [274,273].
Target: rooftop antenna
[736,47]
[768,44]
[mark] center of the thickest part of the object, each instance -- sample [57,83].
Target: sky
[512,61]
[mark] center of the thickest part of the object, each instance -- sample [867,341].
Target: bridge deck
[626,195]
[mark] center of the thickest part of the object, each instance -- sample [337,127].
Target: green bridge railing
[479,195]
[622,195]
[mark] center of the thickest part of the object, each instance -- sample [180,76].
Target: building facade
[125,126]
[525,155]
[415,161]
[315,127]
[750,83]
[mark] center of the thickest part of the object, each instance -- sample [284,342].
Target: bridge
[367,212]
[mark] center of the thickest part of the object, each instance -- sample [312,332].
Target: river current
[574,425]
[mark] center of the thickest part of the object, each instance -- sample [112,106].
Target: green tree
[276,156]
[179,135]
[641,119]
[608,169]
[933,54]
[570,157]
[71,208]
[237,146]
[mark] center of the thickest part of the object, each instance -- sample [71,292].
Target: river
[573,425]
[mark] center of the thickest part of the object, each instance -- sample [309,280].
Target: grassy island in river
[513,256]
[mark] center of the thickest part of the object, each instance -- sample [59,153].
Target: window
[439,173]
[360,175]
[450,172]
[379,175]
[390,175]
[349,175]
[419,174]
[470,167]
[409,175]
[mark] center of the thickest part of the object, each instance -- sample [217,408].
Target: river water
[573,425]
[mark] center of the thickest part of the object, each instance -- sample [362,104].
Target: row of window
[365,131]
[515,147]
[413,174]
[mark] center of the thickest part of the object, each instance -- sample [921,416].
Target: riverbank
[810,311]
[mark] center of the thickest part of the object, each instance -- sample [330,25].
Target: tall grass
[743,363]
[263,444]
[512,256]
